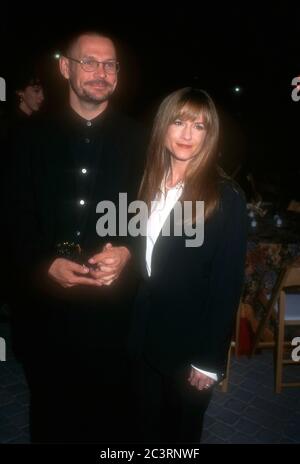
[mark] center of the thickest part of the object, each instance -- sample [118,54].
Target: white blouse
[160,210]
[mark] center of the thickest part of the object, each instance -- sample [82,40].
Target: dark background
[213,47]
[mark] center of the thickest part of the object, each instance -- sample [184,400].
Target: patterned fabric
[268,251]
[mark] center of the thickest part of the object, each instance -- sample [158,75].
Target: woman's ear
[20,95]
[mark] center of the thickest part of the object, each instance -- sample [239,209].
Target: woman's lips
[183,145]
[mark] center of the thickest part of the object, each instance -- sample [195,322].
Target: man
[71,317]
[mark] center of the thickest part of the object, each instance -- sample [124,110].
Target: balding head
[75,41]
[90,84]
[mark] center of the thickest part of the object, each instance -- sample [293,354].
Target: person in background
[186,304]
[30,95]
[24,105]
[22,109]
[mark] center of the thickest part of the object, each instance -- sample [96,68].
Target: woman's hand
[199,380]
[110,263]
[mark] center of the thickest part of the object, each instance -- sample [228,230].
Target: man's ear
[64,66]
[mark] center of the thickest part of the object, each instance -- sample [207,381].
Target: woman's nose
[187,133]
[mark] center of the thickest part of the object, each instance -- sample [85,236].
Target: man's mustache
[98,82]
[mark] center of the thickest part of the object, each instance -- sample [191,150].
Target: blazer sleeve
[31,255]
[225,286]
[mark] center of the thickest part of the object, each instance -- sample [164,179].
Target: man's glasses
[90,65]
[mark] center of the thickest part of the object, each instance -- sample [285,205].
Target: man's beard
[88,96]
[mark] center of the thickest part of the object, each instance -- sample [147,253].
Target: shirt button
[87,140]
[88,123]
[78,233]
[83,171]
[82,202]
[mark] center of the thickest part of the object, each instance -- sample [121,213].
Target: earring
[19,97]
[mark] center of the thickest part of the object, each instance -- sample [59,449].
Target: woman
[30,96]
[186,304]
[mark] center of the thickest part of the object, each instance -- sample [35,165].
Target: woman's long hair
[203,173]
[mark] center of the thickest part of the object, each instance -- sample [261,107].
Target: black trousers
[79,403]
[75,362]
[168,409]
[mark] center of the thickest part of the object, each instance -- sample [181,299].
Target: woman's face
[185,138]
[33,97]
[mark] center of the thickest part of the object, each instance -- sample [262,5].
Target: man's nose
[100,71]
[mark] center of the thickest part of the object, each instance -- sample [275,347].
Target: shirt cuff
[212,375]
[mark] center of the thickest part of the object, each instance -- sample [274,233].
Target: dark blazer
[47,158]
[184,313]
[47,186]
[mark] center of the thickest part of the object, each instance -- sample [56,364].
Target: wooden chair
[288,315]
[269,311]
[294,206]
[284,307]
[233,346]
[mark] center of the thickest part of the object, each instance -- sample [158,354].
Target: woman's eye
[199,126]
[177,122]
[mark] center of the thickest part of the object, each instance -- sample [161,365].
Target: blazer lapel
[163,246]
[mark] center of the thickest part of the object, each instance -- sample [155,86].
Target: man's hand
[109,263]
[68,274]
[199,380]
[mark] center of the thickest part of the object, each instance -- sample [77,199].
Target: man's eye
[109,64]
[88,62]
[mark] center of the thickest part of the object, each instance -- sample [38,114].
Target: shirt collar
[175,188]
[77,121]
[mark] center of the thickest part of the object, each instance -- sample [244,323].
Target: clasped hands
[107,266]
